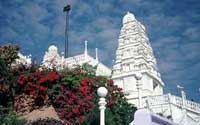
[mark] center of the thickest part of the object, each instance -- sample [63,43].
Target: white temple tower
[135,55]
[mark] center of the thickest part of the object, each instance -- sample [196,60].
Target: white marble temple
[24,60]
[134,54]
[53,60]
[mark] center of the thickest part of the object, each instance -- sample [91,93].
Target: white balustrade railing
[174,100]
[158,100]
[195,107]
[75,60]
[177,101]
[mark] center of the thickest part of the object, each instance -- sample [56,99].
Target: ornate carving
[134,54]
[51,58]
[25,60]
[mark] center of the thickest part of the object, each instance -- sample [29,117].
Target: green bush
[11,119]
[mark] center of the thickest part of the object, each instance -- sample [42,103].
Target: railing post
[170,103]
[183,96]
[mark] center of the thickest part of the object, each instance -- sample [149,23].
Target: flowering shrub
[36,85]
[75,98]
[73,93]
[8,53]
[73,104]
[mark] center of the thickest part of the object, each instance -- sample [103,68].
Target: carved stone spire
[128,18]
[96,53]
[86,50]
[51,58]
[134,54]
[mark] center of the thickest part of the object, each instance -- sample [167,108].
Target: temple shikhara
[135,71]
[135,55]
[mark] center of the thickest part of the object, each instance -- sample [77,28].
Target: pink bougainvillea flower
[81,118]
[53,76]
[119,89]
[22,79]
[62,88]
[37,73]
[87,98]
[43,89]
[84,82]
[42,80]
[75,110]
[32,93]
[84,89]
[109,104]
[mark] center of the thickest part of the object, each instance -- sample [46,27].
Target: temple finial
[96,52]
[86,51]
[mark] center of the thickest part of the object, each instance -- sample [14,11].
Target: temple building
[135,71]
[24,60]
[135,55]
[52,59]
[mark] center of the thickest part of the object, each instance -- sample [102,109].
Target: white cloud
[33,12]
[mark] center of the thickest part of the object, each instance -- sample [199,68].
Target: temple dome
[128,18]
[53,49]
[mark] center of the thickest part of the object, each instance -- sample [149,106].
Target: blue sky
[173,27]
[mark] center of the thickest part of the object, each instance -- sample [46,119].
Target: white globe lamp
[102,92]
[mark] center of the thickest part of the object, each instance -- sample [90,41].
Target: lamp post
[66,9]
[62,60]
[102,92]
[138,77]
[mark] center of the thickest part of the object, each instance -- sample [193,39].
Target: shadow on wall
[145,117]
